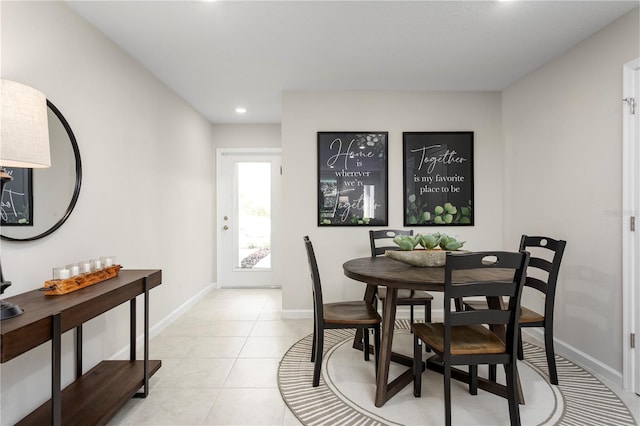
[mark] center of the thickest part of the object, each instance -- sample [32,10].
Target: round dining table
[396,275]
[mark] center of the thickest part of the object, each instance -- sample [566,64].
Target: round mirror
[55,190]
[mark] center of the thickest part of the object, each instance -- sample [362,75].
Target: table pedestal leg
[384,389]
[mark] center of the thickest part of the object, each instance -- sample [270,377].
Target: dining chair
[353,314]
[380,241]
[553,250]
[463,339]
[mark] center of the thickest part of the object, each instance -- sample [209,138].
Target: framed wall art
[17,198]
[438,178]
[352,179]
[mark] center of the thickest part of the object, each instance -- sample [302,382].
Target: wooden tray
[59,287]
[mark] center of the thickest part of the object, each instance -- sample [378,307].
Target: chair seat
[465,340]
[356,312]
[415,296]
[526,315]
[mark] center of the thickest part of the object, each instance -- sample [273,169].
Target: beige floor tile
[174,407]
[290,419]
[216,347]
[246,407]
[162,347]
[240,314]
[230,328]
[267,347]
[198,373]
[299,328]
[188,326]
[253,373]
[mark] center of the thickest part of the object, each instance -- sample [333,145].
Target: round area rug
[347,388]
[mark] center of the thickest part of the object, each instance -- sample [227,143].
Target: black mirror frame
[76,191]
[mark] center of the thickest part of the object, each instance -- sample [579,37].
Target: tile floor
[219,364]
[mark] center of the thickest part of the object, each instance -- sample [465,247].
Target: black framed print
[438,178]
[16,202]
[352,179]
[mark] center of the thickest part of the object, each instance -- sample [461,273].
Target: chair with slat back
[463,339]
[356,314]
[528,317]
[381,241]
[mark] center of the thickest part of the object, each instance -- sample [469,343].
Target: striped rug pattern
[588,402]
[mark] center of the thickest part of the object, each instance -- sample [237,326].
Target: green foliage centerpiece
[433,251]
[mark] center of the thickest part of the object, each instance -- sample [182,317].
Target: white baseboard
[166,321]
[592,365]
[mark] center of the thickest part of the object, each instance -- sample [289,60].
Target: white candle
[75,270]
[108,261]
[64,273]
[85,267]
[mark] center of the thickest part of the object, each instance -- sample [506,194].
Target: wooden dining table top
[384,271]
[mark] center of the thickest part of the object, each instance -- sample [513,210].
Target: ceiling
[219,55]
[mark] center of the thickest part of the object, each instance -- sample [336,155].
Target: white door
[249,201]
[631,220]
[636,268]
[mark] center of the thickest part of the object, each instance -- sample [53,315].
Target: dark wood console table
[96,396]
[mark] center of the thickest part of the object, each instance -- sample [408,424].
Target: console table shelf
[97,395]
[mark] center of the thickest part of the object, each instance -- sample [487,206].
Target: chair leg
[313,345]
[458,304]
[551,357]
[376,348]
[411,316]
[493,372]
[473,379]
[512,393]
[520,350]
[417,366]
[447,394]
[427,319]
[318,360]
[365,349]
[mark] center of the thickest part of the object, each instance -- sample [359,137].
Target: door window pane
[254,215]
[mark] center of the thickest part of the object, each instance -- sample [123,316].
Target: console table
[96,396]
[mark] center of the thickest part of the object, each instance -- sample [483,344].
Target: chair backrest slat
[537,284]
[381,240]
[539,263]
[487,288]
[481,316]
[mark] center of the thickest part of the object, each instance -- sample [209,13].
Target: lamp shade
[24,128]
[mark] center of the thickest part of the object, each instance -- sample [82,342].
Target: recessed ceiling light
[241,110]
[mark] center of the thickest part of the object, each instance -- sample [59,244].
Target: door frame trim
[630,249]
[221,152]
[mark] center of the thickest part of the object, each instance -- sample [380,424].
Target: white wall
[304,114]
[146,193]
[563,141]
